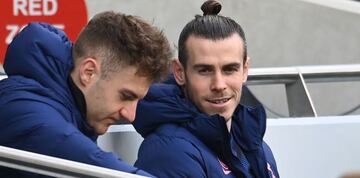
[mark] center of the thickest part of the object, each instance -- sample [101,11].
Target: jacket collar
[80,104]
[78,97]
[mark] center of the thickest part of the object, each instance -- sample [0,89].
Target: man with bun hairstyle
[194,124]
[59,97]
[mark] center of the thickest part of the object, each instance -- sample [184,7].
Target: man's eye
[127,97]
[230,70]
[204,71]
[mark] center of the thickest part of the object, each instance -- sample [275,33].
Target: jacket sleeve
[39,128]
[75,146]
[170,157]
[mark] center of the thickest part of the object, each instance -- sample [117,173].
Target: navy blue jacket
[180,141]
[37,109]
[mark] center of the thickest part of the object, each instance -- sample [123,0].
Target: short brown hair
[124,40]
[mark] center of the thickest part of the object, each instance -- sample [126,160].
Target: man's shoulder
[27,124]
[18,87]
[26,95]
[173,138]
[173,131]
[26,113]
[168,153]
[161,90]
[178,155]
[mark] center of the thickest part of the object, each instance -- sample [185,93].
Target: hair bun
[211,7]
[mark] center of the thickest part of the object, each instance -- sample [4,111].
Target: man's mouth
[219,100]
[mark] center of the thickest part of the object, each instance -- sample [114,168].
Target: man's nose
[128,112]
[218,82]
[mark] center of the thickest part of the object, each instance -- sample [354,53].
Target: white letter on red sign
[35,7]
[19,5]
[13,31]
[53,10]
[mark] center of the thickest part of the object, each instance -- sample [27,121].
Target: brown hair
[124,40]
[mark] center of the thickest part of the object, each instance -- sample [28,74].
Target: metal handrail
[55,167]
[282,75]
[312,74]
[295,80]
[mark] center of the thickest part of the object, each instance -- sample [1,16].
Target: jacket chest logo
[224,168]
[271,171]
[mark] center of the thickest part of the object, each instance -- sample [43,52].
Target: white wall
[315,147]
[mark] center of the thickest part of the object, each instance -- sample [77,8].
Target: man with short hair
[59,97]
[194,124]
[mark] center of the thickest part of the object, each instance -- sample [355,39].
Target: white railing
[295,80]
[55,167]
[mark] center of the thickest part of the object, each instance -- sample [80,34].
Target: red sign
[70,16]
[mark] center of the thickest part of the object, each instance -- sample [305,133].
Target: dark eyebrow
[128,94]
[232,65]
[201,66]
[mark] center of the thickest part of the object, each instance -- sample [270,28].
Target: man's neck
[228,124]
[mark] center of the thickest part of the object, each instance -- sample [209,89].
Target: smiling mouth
[219,101]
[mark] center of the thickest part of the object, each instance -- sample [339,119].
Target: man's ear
[178,71]
[246,69]
[89,68]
